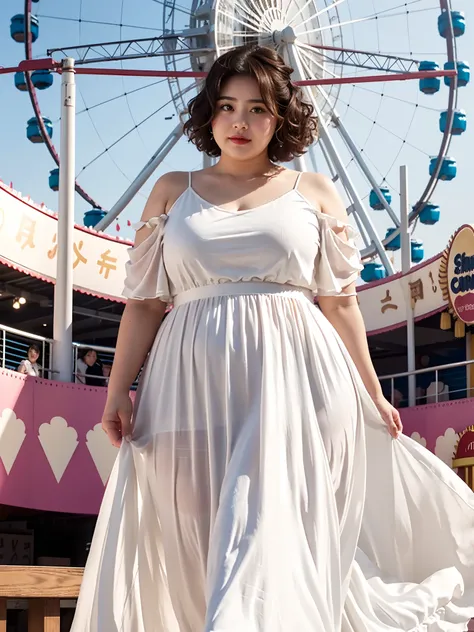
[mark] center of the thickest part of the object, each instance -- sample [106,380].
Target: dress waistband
[239,288]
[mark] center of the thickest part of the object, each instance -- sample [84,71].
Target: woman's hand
[390,415]
[117,419]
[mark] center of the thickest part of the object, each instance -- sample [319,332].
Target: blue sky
[392,123]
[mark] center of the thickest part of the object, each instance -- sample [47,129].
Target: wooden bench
[44,587]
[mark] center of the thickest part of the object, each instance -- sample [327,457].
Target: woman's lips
[239,141]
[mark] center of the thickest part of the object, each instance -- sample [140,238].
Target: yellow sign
[456,274]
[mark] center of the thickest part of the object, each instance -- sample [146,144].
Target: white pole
[63,290]
[406,266]
[299,163]
[207,161]
[469,366]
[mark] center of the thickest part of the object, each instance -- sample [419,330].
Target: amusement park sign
[457,274]
[28,242]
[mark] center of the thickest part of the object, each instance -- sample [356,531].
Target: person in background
[30,365]
[89,368]
[81,366]
[106,373]
[95,370]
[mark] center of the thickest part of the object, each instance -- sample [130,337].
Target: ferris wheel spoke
[252,16]
[120,96]
[386,129]
[333,153]
[318,13]
[176,7]
[250,25]
[368,18]
[96,22]
[308,53]
[150,167]
[123,136]
[398,99]
[251,36]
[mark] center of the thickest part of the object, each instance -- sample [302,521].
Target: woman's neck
[245,169]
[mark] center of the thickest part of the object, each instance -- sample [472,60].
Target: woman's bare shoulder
[322,192]
[164,194]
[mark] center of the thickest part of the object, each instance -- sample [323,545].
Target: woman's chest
[269,233]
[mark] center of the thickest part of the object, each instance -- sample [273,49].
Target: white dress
[262,491]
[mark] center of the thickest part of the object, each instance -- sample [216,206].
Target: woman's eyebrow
[234,99]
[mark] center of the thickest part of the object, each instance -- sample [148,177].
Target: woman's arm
[22,367]
[139,325]
[345,316]
[141,319]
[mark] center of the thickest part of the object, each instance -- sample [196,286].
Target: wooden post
[35,615]
[3,614]
[52,620]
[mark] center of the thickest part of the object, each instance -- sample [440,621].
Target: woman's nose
[240,124]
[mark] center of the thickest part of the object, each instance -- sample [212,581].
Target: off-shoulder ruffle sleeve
[146,276]
[338,262]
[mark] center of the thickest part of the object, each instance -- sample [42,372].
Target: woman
[264,485]
[89,369]
[30,365]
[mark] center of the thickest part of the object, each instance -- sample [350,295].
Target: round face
[33,355]
[242,126]
[90,358]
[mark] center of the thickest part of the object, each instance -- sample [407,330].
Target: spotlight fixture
[22,300]
[16,304]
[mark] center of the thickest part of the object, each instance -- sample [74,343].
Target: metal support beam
[331,149]
[63,289]
[406,266]
[142,177]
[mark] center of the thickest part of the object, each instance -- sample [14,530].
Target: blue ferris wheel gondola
[20,81]
[430,214]
[93,217]
[54,179]
[395,243]
[464,73]
[373,272]
[374,200]
[459,122]
[429,85]
[42,79]
[33,132]
[417,250]
[448,169]
[459,23]
[17,28]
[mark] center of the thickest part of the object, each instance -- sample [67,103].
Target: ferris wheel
[367,129]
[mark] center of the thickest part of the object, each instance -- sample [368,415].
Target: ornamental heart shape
[103,453]
[12,435]
[59,442]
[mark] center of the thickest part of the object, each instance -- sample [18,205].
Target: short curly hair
[296,126]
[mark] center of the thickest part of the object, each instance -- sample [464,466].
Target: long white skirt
[263,493]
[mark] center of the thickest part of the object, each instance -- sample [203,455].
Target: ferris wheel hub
[285,36]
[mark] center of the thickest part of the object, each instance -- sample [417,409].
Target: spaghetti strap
[297,181]
[189,179]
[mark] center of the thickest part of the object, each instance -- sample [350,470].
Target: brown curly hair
[296,126]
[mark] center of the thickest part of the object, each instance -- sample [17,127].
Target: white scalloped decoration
[12,435]
[59,442]
[418,438]
[103,453]
[445,446]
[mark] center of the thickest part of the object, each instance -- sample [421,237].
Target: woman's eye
[225,106]
[258,110]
